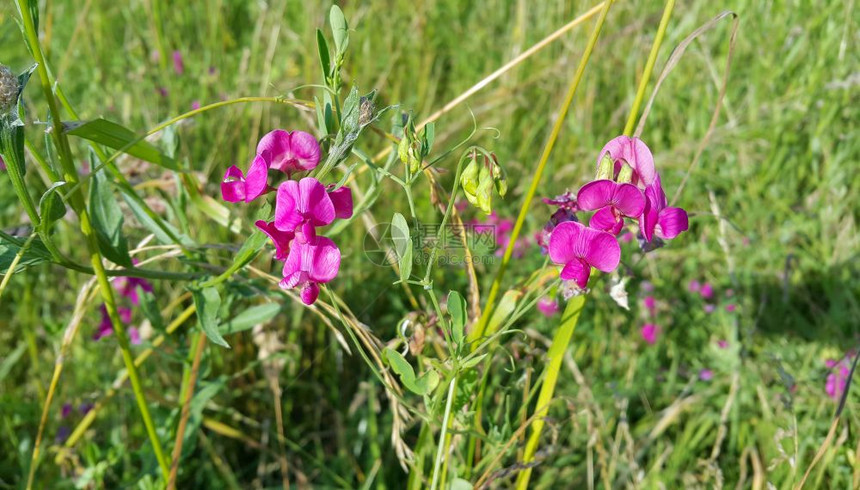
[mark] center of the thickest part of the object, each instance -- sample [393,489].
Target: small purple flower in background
[647,286]
[612,201]
[707,291]
[627,237]
[634,152]
[709,308]
[722,344]
[694,286]
[163,92]
[658,218]
[502,228]
[548,306]
[63,433]
[85,408]
[650,304]
[731,307]
[303,206]
[66,410]
[238,187]
[837,380]
[178,65]
[649,333]
[311,264]
[706,375]
[134,336]
[579,248]
[195,105]
[290,152]
[127,287]
[730,293]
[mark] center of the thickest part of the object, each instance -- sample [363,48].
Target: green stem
[440,451]
[556,352]
[481,326]
[77,202]
[649,67]
[450,207]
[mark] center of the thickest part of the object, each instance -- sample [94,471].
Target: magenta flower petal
[671,222]
[706,375]
[310,293]
[305,149]
[576,270]
[325,262]
[628,200]
[635,153]
[562,242]
[277,143]
[290,152]
[314,202]
[281,239]
[233,187]
[255,182]
[595,195]
[649,333]
[287,214]
[341,198]
[603,251]
[605,220]
[547,306]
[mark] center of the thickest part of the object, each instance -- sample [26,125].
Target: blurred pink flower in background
[649,333]
[706,374]
[694,286]
[548,306]
[837,380]
[178,65]
[722,344]
[707,291]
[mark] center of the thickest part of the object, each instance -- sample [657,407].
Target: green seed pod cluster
[482,175]
[415,145]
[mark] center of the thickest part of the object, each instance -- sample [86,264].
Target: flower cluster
[301,206]
[627,186]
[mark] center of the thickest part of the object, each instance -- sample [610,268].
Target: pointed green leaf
[107,219]
[119,138]
[457,309]
[251,317]
[35,254]
[51,207]
[339,29]
[322,49]
[208,302]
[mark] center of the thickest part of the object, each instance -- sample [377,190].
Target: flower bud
[625,176]
[499,178]
[8,89]
[484,196]
[606,168]
[469,178]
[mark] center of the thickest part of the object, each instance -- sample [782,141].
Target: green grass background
[781,169]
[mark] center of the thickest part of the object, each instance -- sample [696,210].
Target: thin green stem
[556,352]
[453,198]
[441,450]
[649,67]
[480,327]
[77,202]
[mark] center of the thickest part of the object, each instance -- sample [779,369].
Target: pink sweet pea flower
[706,375]
[310,264]
[302,206]
[659,219]
[649,333]
[707,291]
[633,152]
[709,308]
[731,307]
[694,286]
[238,187]
[195,105]
[290,152]
[722,344]
[650,304]
[548,306]
[281,239]
[127,286]
[105,326]
[613,201]
[580,248]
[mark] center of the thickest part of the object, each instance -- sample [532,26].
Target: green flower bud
[469,178]
[625,176]
[484,196]
[606,168]
[500,178]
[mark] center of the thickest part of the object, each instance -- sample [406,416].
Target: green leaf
[251,317]
[406,263]
[457,309]
[170,141]
[339,29]
[400,234]
[107,220]
[35,254]
[136,206]
[208,302]
[473,361]
[119,137]
[325,59]
[51,207]
[422,385]
[502,312]
[350,112]
[459,484]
